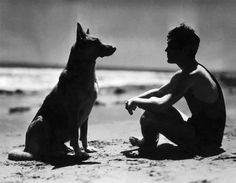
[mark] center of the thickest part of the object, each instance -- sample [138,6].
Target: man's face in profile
[174,52]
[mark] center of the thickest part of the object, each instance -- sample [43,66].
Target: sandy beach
[109,129]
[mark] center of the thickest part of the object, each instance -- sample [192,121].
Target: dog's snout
[113,49]
[107,50]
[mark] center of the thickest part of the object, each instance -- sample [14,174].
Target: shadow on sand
[171,152]
[67,160]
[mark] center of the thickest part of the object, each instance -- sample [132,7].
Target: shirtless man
[200,89]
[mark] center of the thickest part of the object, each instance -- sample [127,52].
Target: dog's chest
[87,104]
[94,94]
[91,94]
[89,97]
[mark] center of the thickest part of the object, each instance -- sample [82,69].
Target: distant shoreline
[43,66]
[129,68]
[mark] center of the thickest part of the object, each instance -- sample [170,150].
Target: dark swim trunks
[209,132]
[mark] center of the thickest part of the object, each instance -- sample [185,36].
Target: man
[204,129]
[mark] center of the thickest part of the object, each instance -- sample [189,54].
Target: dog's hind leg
[59,149]
[37,139]
[36,142]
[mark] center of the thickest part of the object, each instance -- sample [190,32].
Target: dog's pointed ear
[87,32]
[80,34]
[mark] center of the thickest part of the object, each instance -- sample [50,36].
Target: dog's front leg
[74,140]
[75,143]
[83,138]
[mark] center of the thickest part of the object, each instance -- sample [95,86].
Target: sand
[109,128]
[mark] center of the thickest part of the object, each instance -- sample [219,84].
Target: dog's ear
[87,32]
[80,34]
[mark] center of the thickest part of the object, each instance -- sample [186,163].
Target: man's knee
[148,118]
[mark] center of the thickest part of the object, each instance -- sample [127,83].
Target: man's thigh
[172,124]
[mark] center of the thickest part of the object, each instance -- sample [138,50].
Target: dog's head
[92,46]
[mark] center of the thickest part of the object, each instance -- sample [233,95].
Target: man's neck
[188,65]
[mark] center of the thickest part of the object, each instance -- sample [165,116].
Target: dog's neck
[83,67]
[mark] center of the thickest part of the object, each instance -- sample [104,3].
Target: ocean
[43,79]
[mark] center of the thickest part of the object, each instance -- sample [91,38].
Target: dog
[66,108]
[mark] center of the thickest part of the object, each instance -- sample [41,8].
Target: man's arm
[172,92]
[157,92]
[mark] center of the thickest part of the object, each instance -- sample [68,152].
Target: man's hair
[184,35]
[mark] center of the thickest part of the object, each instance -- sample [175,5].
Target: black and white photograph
[117,91]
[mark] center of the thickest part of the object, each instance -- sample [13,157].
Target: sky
[42,32]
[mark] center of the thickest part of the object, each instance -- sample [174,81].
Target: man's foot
[142,143]
[136,142]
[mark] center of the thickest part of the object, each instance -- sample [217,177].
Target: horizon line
[115,67]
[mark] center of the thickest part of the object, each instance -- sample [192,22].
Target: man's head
[182,44]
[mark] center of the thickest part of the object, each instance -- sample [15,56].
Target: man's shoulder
[183,78]
[200,72]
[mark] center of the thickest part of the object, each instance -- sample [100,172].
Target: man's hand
[130,106]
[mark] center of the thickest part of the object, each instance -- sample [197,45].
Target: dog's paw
[82,156]
[90,149]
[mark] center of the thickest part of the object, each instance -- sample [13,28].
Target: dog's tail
[19,155]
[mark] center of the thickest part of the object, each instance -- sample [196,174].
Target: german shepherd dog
[67,107]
